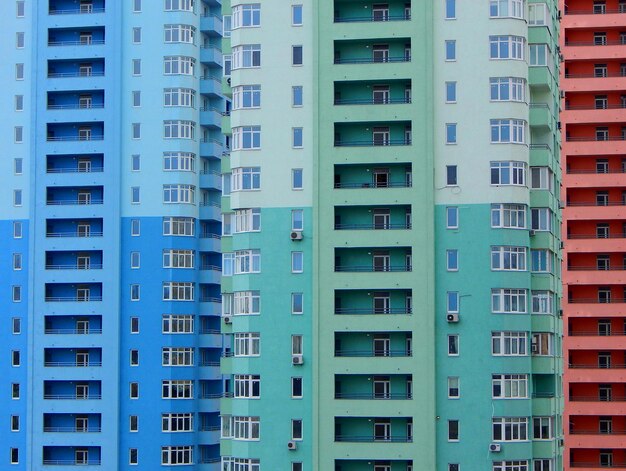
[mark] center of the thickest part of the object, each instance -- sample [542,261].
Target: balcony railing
[593,172]
[380,311]
[595,366]
[90,429]
[373,143]
[90,266]
[209,299]
[597,464]
[75,170]
[74,74]
[372,19]
[209,235]
[74,202]
[61,299]
[596,203]
[543,395]
[594,75]
[209,428]
[376,396]
[92,42]
[603,11]
[353,227]
[214,364]
[72,364]
[72,331]
[373,439]
[72,462]
[594,107]
[372,60]
[373,101]
[206,331]
[612,398]
[63,397]
[597,301]
[74,138]
[373,353]
[596,268]
[370,268]
[597,432]
[374,185]
[594,43]
[595,333]
[74,234]
[595,138]
[619,235]
[210,267]
[85,9]
[76,106]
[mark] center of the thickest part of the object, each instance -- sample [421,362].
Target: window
[297,219]
[179,5]
[15,358]
[136,6]
[16,325]
[508,173]
[136,130]
[453,467]
[510,429]
[16,294]
[136,66]
[135,162]
[509,386]
[508,131]
[542,465]
[453,430]
[135,227]
[538,55]
[177,389]
[507,89]
[451,175]
[450,50]
[135,195]
[450,92]
[134,357]
[296,95]
[296,15]
[248,220]
[134,325]
[537,16]
[19,71]
[454,391]
[240,464]
[296,345]
[172,455]
[296,429]
[246,302]
[452,303]
[508,258]
[19,40]
[180,34]
[183,97]
[177,324]
[452,217]
[247,261]
[508,343]
[246,56]
[227,25]
[135,258]
[19,4]
[247,344]
[227,60]
[517,465]
[178,291]
[15,423]
[296,466]
[296,387]
[15,455]
[540,219]
[176,356]
[177,422]
[450,9]
[246,137]
[17,197]
[178,65]
[506,47]
[179,129]
[511,216]
[541,261]
[506,9]
[297,138]
[452,260]
[297,262]
[135,292]
[134,390]
[228,264]
[541,344]
[541,178]
[177,226]
[450,133]
[18,166]
[246,96]
[246,16]
[508,301]
[453,345]
[176,258]
[133,456]
[136,35]
[179,194]
[247,386]
[296,55]
[296,179]
[542,302]
[297,303]
[15,390]
[19,134]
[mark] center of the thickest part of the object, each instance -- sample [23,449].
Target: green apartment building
[391,236]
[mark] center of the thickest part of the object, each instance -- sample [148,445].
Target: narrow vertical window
[19,134]
[450,50]
[297,139]
[450,92]
[296,15]
[137,98]
[19,71]
[296,93]
[450,9]
[296,55]
[296,179]
[19,102]
[451,133]
[136,35]
[136,66]
[136,6]
[451,175]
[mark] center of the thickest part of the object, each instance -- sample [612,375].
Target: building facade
[391,237]
[593,219]
[111,226]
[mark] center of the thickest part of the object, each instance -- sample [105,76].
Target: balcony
[594,179]
[74,234]
[88,429]
[72,397]
[371,269]
[373,226]
[89,462]
[590,50]
[590,18]
[374,396]
[76,266]
[70,202]
[372,142]
[592,82]
[540,116]
[91,42]
[373,438]
[74,138]
[87,331]
[590,275]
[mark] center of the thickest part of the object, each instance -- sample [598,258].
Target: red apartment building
[593,80]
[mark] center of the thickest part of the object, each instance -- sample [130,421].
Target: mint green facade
[374,240]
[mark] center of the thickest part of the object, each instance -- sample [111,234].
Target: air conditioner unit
[296,235]
[297,359]
[452,318]
[228,320]
[534,348]
[495,447]
[531,232]
[228,81]
[291,445]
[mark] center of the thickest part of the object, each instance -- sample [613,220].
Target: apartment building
[110,223]
[391,236]
[594,92]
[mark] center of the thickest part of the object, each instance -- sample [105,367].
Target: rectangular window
[18,165]
[19,4]
[247,386]
[15,423]
[508,258]
[296,387]
[136,98]
[509,343]
[177,389]
[17,197]
[135,227]
[296,55]
[296,429]
[296,345]
[297,138]
[179,226]
[450,50]
[454,391]
[453,345]
[508,131]
[177,324]
[135,258]
[541,261]
[246,97]
[17,230]
[136,67]
[227,60]
[247,261]
[19,71]
[246,138]
[179,34]
[507,89]
[177,422]
[227,25]
[136,35]
[135,162]
[134,325]
[176,258]
[16,325]
[183,97]
[15,358]
[179,129]
[509,386]
[450,92]
[16,294]
[508,173]
[297,220]
[134,357]
[246,303]
[452,301]
[179,5]
[246,56]
[539,54]
[450,133]
[508,301]
[136,131]
[296,96]
[176,455]
[19,40]
[510,216]
[296,179]
[542,464]
[506,9]
[19,134]
[133,456]
[296,15]
[453,430]
[15,456]
[542,302]
[516,465]
[542,344]
[15,390]
[451,175]
[537,15]
[297,303]
[247,220]
[178,65]
[137,6]
[178,291]
[246,15]
[135,195]
[247,344]
[541,219]
[134,390]
[452,260]
[177,356]
[297,262]
[179,194]
[135,292]
[452,217]
[510,429]
[506,47]
[450,9]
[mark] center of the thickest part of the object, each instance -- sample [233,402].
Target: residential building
[593,192]
[110,223]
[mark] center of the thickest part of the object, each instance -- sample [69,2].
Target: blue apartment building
[110,227]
